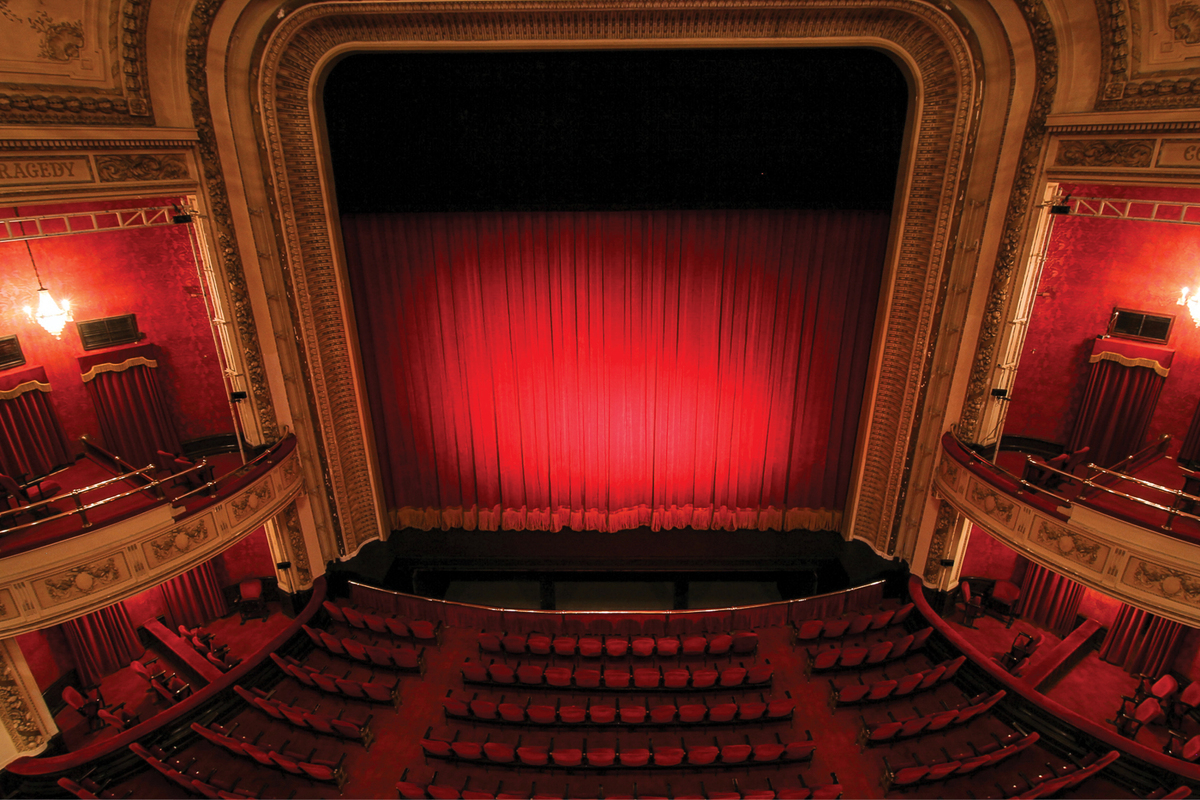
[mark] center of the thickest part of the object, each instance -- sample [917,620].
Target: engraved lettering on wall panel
[37,171]
[1180,153]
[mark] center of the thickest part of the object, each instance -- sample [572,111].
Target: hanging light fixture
[50,315]
[1192,303]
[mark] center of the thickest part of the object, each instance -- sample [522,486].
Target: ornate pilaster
[26,724]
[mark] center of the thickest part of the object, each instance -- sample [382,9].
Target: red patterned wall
[1093,265]
[149,272]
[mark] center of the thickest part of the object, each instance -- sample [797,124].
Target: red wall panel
[1092,266]
[149,272]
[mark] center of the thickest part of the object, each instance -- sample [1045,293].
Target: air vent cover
[108,332]
[10,352]
[1142,325]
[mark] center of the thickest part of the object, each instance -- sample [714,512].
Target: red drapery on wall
[1141,642]
[1123,388]
[31,439]
[194,598]
[1049,599]
[135,420]
[604,371]
[101,642]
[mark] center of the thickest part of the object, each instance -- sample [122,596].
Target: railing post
[75,495]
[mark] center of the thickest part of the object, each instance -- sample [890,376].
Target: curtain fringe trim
[129,363]
[22,388]
[543,519]
[1125,361]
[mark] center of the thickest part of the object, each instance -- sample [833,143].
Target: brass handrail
[1172,513]
[154,485]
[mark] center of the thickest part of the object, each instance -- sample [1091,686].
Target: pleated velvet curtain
[1141,642]
[605,371]
[194,598]
[1122,392]
[32,442]
[135,419]
[1049,599]
[101,642]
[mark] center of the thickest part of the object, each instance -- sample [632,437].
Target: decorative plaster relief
[1065,543]
[950,472]
[1105,153]
[8,605]
[81,581]
[141,167]
[290,518]
[1157,579]
[994,504]
[18,718]
[250,501]
[176,542]
[290,470]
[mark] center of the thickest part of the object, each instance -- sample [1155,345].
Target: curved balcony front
[1141,551]
[74,575]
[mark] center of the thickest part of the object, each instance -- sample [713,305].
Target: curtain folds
[32,442]
[1142,643]
[135,420]
[101,642]
[1118,402]
[1049,599]
[194,598]
[606,371]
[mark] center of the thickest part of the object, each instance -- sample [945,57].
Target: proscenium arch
[925,41]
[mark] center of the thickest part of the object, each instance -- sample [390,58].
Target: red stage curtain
[135,420]
[1141,642]
[101,642]
[32,442]
[1122,391]
[194,598]
[605,371]
[1049,599]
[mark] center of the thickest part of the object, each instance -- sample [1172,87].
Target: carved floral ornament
[251,500]
[179,541]
[1182,587]
[993,503]
[1068,544]
[83,580]
[936,47]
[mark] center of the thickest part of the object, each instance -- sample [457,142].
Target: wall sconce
[1192,303]
[49,314]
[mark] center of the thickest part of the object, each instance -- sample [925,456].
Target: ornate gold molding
[946,517]
[1020,202]
[300,45]
[18,718]
[1123,84]
[127,103]
[298,551]
[217,193]
[1104,153]
[141,167]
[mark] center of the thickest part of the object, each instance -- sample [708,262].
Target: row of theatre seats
[309,766]
[407,659]
[409,790]
[857,656]
[841,627]
[582,758]
[371,691]
[299,718]
[611,716]
[737,642]
[640,679]
[887,688]
[886,733]
[421,630]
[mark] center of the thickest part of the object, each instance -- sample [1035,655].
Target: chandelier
[50,315]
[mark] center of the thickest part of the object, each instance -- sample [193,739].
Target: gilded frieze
[81,581]
[992,502]
[251,500]
[1104,153]
[17,716]
[1069,544]
[1157,579]
[142,167]
[176,542]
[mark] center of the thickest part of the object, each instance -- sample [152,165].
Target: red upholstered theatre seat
[572,715]
[692,713]
[533,756]
[483,709]
[499,753]
[703,755]
[704,678]
[602,715]
[587,678]
[642,646]
[591,646]
[501,673]
[557,676]
[633,757]
[542,714]
[511,712]
[633,715]
[663,714]
[735,753]
[539,644]
[752,711]
[474,672]
[666,646]
[668,756]
[617,678]
[601,756]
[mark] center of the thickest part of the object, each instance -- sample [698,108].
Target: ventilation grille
[10,352]
[108,332]
[1142,325]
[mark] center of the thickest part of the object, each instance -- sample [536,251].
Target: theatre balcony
[100,530]
[1131,532]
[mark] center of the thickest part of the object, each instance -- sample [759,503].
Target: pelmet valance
[16,383]
[1129,353]
[118,360]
